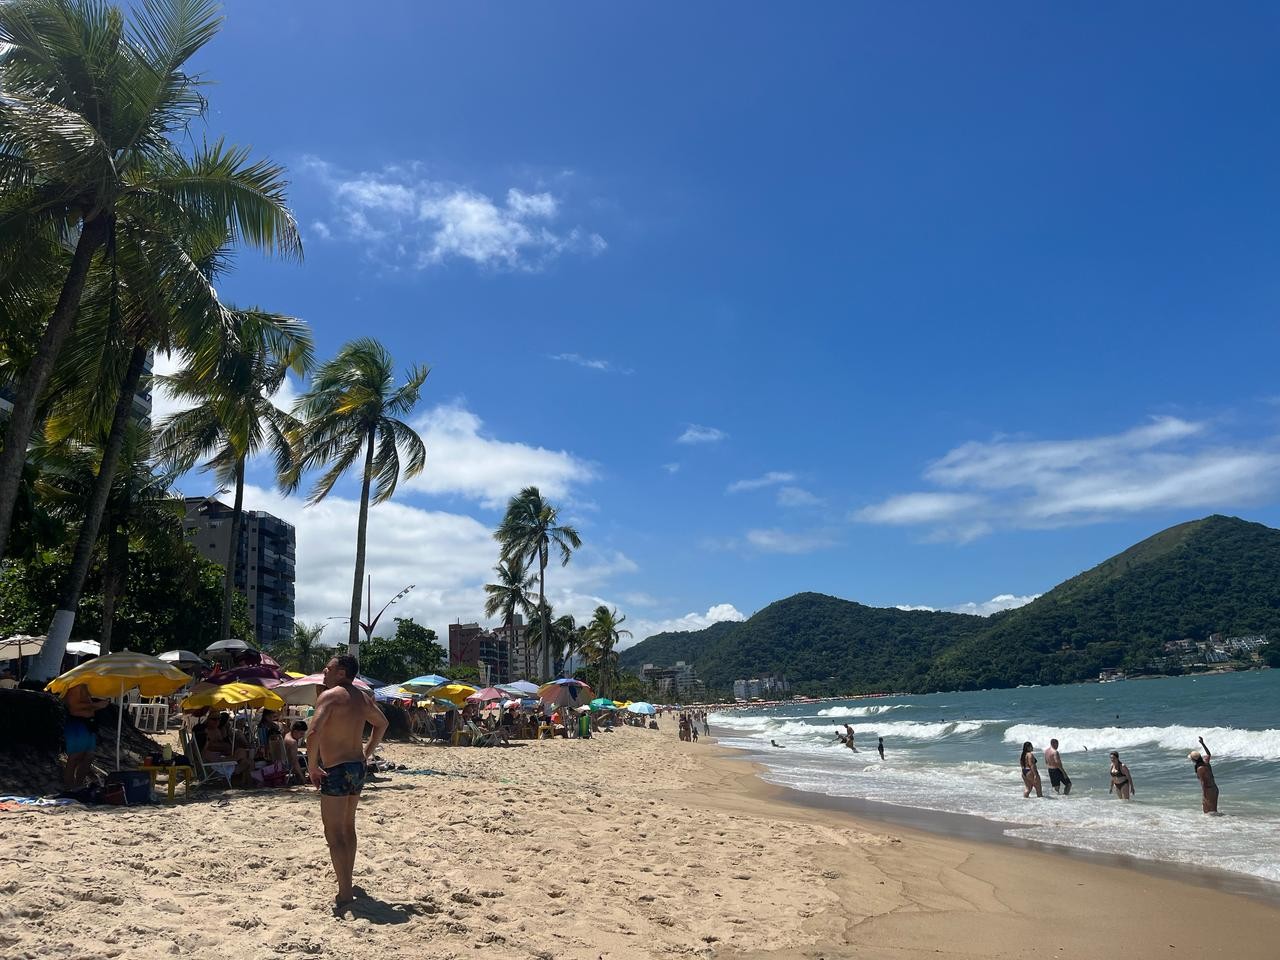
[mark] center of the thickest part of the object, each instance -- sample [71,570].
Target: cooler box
[135,783]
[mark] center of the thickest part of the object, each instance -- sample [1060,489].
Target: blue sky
[945,301]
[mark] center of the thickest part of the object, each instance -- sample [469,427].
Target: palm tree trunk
[233,551]
[114,576]
[64,618]
[353,639]
[542,606]
[23,417]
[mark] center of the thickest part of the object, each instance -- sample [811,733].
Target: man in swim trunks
[1058,778]
[337,761]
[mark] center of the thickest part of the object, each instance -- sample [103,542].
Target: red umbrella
[487,694]
[258,673]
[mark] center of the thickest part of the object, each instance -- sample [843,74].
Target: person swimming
[775,743]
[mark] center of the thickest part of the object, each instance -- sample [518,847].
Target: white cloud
[918,508]
[1165,464]
[462,460]
[797,497]
[1003,601]
[771,479]
[448,556]
[775,540]
[690,621]
[699,434]
[321,229]
[671,467]
[410,219]
[604,366]
[164,405]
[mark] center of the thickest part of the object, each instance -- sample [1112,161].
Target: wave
[870,711]
[774,727]
[1224,741]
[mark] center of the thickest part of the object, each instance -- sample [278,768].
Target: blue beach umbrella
[520,688]
[647,709]
[424,683]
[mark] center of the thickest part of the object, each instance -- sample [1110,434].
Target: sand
[630,845]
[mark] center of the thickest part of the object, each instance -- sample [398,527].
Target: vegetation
[529,530]
[510,597]
[352,409]
[1216,575]
[410,652]
[304,653]
[599,643]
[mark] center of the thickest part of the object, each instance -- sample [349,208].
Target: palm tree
[352,408]
[234,416]
[561,640]
[304,650]
[603,633]
[510,596]
[527,532]
[91,116]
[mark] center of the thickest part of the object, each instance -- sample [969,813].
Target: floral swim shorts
[343,779]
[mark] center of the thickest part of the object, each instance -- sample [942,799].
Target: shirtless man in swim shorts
[336,762]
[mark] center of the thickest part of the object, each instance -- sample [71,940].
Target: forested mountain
[1218,574]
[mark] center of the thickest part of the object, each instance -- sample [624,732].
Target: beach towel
[11,803]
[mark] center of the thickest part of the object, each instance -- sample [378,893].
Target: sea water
[958,753]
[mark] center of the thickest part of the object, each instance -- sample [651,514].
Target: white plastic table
[150,717]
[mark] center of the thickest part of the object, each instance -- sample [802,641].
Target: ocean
[958,753]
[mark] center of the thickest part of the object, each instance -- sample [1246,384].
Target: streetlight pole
[372,622]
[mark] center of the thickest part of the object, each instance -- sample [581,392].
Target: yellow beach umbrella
[292,675]
[455,693]
[234,696]
[116,674]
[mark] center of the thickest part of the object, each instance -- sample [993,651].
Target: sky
[915,304]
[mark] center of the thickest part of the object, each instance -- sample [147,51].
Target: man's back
[338,731]
[1051,757]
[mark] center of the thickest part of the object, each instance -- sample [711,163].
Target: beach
[629,845]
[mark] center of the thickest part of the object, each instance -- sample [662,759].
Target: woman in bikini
[1204,773]
[1030,775]
[1121,779]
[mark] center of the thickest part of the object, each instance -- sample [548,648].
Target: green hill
[1218,574]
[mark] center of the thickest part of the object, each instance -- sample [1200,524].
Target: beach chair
[205,773]
[481,738]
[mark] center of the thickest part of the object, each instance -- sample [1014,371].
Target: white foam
[1226,742]
[870,711]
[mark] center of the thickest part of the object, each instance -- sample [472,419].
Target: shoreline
[629,846]
[969,827]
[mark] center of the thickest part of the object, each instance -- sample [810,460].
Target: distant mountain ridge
[1216,574]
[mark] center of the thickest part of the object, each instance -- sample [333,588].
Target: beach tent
[116,674]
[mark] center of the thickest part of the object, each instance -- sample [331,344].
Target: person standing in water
[1121,778]
[848,738]
[338,759]
[1058,778]
[1204,773]
[1030,774]
[880,747]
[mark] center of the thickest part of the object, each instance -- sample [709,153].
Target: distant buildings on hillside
[678,682]
[761,688]
[264,565]
[1188,653]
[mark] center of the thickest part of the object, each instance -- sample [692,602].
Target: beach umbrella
[603,703]
[116,674]
[642,708]
[258,673]
[521,688]
[454,693]
[302,691]
[233,696]
[294,674]
[486,695]
[84,648]
[565,692]
[227,646]
[20,645]
[392,691]
[424,683]
[183,658]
